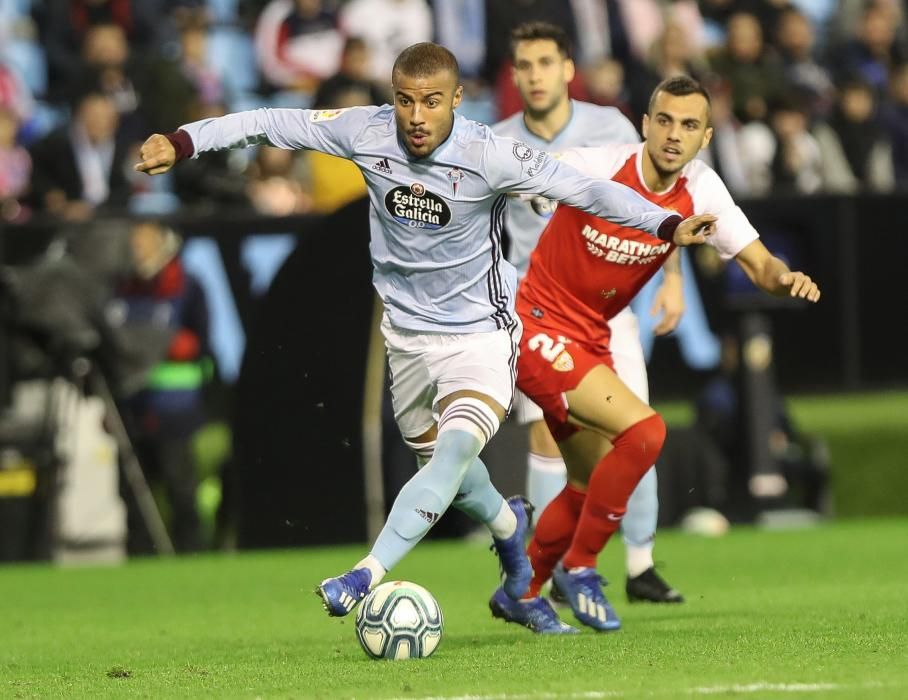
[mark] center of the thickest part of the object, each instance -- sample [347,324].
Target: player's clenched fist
[158,155]
[800,285]
[694,230]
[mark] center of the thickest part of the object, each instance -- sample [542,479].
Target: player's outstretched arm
[158,155]
[772,275]
[669,299]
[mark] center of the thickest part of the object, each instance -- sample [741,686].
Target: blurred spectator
[152,93]
[214,181]
[388,27]
[159,294]
[354,74]
[605,85]
[298,44]
[601,32]
[746,65]
[856,152]
[783,157]
[724,152]
[846,22]
[896,123]
[672,53]
[105,53]
[15,168]
[796,39]
[274,183]
[873,52]
[766,12]
[63,25]
[14,94]
[207,84]
[797,165]
[83,165]
[646,22]
[460,25]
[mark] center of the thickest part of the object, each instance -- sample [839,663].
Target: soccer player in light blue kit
[551,121]
[437,185]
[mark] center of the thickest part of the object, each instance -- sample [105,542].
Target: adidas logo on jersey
[383,166]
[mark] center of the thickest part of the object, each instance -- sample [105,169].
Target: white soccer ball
[399,620]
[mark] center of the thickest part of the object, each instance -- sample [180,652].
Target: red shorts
[551,364]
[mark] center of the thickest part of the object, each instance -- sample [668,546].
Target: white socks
[504,524]
[546,476]
[639,559]
[375,567]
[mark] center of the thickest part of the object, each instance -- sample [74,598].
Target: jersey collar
[639,167]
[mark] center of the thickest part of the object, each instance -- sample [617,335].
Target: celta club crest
[522,151]
[455,175]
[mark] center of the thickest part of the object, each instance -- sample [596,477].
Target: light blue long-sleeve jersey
[436,221]
[528,215]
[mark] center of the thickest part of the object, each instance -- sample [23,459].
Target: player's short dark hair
[426,58]
[679,86]
[535,31]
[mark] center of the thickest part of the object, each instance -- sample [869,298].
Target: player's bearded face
[424,110]
[541,74]
[676,129]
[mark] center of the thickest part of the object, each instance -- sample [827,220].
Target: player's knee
[646,438]
[470,415]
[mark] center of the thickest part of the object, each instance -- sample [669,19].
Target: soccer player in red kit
[584,271]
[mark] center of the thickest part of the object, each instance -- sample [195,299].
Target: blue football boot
[512,555]
[342,593]
[582,590]
[535,614]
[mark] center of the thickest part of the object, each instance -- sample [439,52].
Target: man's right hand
[158,155]
[694,230]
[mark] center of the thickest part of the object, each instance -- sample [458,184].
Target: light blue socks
[427,495]
[476,496]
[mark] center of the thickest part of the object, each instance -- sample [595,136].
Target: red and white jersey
[585,269]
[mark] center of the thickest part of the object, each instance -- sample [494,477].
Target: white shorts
[426,367]
[627,354]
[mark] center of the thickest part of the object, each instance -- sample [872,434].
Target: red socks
[553,535]
[614,479]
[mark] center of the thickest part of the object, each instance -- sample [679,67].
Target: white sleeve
[513,166]
[710,196]
[332,131]
[596,161]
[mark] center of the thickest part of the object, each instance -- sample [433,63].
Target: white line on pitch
[741,688]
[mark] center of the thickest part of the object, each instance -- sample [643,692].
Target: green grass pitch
[820,612]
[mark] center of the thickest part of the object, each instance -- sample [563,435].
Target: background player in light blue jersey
[437,185]
[543,68]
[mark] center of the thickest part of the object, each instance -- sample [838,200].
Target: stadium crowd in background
[809,96]
[815,88]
